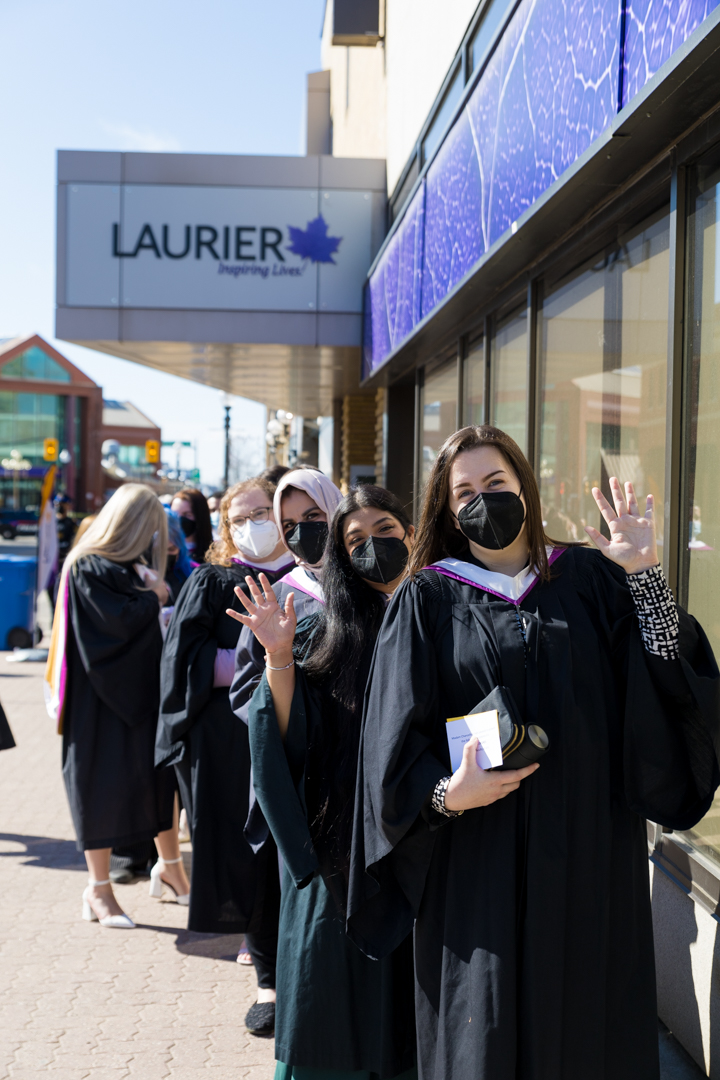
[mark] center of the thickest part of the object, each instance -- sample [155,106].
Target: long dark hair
[203,527]
[437,537]
[353,610]
[338,663]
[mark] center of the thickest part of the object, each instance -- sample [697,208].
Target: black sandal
[260,1019]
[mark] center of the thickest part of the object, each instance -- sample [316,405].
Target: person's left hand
[632,537]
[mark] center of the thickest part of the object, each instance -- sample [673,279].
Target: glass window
[474,383]
[442,117]
[603,369]
[34,364]
[438,411]
[508,365]
[26,420]
[484,36]
[699,584]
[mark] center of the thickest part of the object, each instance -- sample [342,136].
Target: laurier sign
[175,246]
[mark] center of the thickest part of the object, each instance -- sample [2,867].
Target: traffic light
[152,452]
[50,449]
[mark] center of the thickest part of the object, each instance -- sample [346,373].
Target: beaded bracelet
[437,802]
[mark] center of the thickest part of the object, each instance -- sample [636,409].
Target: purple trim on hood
[554,555]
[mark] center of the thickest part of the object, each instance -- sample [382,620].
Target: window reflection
[603,365]
[495,12]
[474,383]
[699,585]
[509,357]
[442,117]
[438,409]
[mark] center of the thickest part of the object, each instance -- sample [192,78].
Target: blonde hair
[130,522]
[223,550]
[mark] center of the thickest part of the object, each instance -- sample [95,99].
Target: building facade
[547,260]
[50,413]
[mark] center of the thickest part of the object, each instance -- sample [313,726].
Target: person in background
[275,474]
[304,503]
[179,566]
[197,731]
[214,501]
[83,527]
[339,1014]
[191,507]
[103,689]
[66,529]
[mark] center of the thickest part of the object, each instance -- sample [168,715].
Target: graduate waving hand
[632,543]
[274,627]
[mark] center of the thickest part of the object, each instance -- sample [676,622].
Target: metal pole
[226,480]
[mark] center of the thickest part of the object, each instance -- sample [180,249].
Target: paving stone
[80,1001]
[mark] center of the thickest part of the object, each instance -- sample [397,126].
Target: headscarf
[177,537]
[321,490]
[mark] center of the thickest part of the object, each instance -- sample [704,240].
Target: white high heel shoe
[119,922]
[157,883]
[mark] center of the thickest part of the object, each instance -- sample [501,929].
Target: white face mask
[257,541]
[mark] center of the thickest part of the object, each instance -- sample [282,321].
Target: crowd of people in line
[281,665]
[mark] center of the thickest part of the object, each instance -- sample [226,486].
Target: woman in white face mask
[197,731]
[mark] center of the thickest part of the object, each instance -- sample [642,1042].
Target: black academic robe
[533,937]
[6,736]
[336,1008]
[113,673]
[199,734]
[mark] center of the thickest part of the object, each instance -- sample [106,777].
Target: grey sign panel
[91,280]
[200,247]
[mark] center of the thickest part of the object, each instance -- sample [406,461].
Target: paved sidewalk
[77,1000]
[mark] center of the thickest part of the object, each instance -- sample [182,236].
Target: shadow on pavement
[192,943]
[44,851]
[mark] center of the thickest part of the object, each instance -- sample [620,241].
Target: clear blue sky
[221,76]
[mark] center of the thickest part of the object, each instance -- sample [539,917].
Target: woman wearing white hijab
[304,503]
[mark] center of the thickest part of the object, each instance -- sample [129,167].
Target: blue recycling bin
[17,595]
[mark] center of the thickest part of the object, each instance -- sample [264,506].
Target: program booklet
[460,729]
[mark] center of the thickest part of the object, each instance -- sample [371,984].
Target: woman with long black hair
[336,1010]
[528,886]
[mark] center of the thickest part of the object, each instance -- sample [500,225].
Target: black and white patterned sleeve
[657,613]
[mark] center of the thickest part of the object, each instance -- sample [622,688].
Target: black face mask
[493,519]
[171,560]
[307,541]
[380,558]
[187,525]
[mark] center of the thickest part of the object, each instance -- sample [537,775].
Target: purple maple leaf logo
[314,243]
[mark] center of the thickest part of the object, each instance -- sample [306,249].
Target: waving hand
[632,542]
[272,625]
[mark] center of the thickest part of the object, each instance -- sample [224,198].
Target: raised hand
[632,542]
[272,625]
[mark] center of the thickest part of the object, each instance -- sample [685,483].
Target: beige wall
[357,96]
[381,96]
[422,37]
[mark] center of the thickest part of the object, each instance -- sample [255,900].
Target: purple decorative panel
[392,299]
[654,29]
[549,90]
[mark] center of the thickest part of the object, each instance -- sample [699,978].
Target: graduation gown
[249,668]
[199,734]
[336,1008]
[113,650]
[6,736]
[533,938]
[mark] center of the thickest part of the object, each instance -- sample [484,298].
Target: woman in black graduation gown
[533,933]
[103,688]
[197,731]
[304,503]
[336,1010]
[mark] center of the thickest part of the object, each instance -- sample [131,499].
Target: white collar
[512,589]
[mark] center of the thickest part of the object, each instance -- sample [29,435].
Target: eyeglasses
[258,517]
